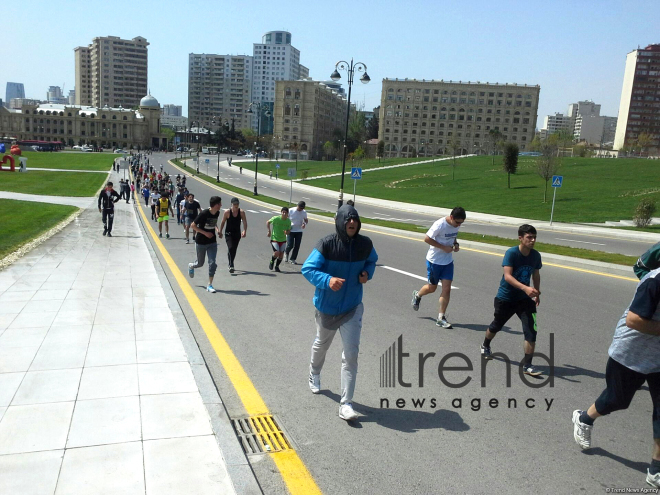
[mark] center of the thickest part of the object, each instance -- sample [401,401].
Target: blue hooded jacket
[338,255]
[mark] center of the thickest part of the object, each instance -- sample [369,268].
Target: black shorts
[524,309]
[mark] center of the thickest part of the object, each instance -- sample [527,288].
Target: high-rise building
[424,117]
[112,72]
[219,89]
[54,95]
[14,90]
[305,115]
[555,123]
[173,110]
[639,109]
[72,97]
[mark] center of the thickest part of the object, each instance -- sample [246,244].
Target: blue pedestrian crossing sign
[356,173]
[207,161]
[277,165]
[557,180]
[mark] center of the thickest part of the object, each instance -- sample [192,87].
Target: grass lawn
[70,161]
[15,231]
[52,183]
[594,189]
[315,168]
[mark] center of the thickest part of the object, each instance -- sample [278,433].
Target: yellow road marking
[474,250]
[293,470]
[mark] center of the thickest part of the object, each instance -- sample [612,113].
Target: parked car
[78,148]
[240,153]
[249,155]
[119,150]
[86,149]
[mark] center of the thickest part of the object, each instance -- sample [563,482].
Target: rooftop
[460,82]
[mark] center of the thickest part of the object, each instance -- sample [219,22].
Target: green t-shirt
[278,227]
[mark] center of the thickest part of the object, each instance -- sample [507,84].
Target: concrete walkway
[102,386]
[84,202]
[64,170]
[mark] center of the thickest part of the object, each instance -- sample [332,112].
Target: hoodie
[338,255]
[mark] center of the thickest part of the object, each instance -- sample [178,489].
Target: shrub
[644,213]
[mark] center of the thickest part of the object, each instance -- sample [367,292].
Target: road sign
[207,160]
[356,173]
[291,172]
[557,180]
[277,165]
[123,164]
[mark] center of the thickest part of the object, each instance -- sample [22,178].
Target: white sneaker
[653,479]
[347,413]
[314,383]
[582,432]
[211,289]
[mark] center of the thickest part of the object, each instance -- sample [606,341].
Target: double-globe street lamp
[335,76]
[258,106]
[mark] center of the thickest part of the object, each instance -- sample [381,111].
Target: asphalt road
[280,189]
[267,319]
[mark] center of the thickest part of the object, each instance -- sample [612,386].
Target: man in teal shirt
[281,228]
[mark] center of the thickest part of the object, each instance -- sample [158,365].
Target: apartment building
[219,90]
[422,118]
[173,110]
[639,109]
[557,122]
[305,115]
[14,90]
[112,72]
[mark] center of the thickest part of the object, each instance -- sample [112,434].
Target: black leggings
[622,384]
[232,239]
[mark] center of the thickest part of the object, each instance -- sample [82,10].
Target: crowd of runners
[342,262]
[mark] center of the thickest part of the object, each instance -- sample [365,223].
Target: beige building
[423,117]
[305,115]
[111,71]
[77,125]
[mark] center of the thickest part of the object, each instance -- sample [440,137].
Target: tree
[547,165]
[328,147]
[644,212]
[643,142]
[380,151]
[454,146]
[372,126]
[169,133]
[510,161]
[357,130]
[359,154]
[564,138]
[535,145]
[494,138]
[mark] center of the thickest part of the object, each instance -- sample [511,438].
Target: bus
[210,150]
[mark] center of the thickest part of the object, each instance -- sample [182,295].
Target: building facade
[422,118]
[173,110]
[72,97]
[54,95]
[17,103]
[112,72]
[14,90]
[77,125]
[557,122]
[219,90]
[173,121]
[305,115]
[639,109]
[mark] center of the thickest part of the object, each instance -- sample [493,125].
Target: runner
[298,223]
[177,205]
[106,207]
[154,197]
[516,297]
[281,227]
[206,245]
[146,193]
[164,207]
[233,218]
[338,267]
[633,360]
[441,239]
[191,209]
[647,262]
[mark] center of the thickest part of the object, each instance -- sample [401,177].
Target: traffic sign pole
[354,185]
[552,212]
[557,181]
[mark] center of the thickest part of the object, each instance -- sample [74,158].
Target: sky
[575,50]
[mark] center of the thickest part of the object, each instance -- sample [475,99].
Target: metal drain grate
[261,435]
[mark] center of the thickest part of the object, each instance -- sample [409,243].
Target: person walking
[133,191]
[206,245]
[517,297]
[164,208]
[633,361]
[441,238]
[106,206]
[155,196]
[339,266]
[281,227]
[180,197]
[299,221]
[146,193]
[233,234]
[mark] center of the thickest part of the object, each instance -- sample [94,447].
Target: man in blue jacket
[338,267]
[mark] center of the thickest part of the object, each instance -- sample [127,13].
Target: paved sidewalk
[99,388]
[80,202]
[67,170]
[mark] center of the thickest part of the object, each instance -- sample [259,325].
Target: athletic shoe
[160,235]
[293,262]
[191,270]
[231,268]
[485,352]
[314,383]
[167,235]
[531,371]
[286,257]
[109,234]
[271,264]
[211,289]
[415,300]
[187,241]
[277,269]
[347,413]
[582,433]
[105,231]
[653,479]
[442,322]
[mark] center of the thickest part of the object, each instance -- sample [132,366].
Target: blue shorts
[436,273]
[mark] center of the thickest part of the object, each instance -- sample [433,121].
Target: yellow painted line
[293,470]
[582,270]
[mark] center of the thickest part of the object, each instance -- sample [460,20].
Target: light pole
[335,76]
[217,179]
[257,105]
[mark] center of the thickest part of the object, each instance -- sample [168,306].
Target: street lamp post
[335,76]
[256,163]
[217,179]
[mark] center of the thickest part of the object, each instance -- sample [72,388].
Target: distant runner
[281,227]
[206,245]
[233,233]
[299,221]
[164,208]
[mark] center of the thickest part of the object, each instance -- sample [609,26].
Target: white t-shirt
[442,233]
[297,219]
[154,198]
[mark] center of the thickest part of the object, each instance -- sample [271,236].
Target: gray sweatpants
[204,250]
[350,338]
